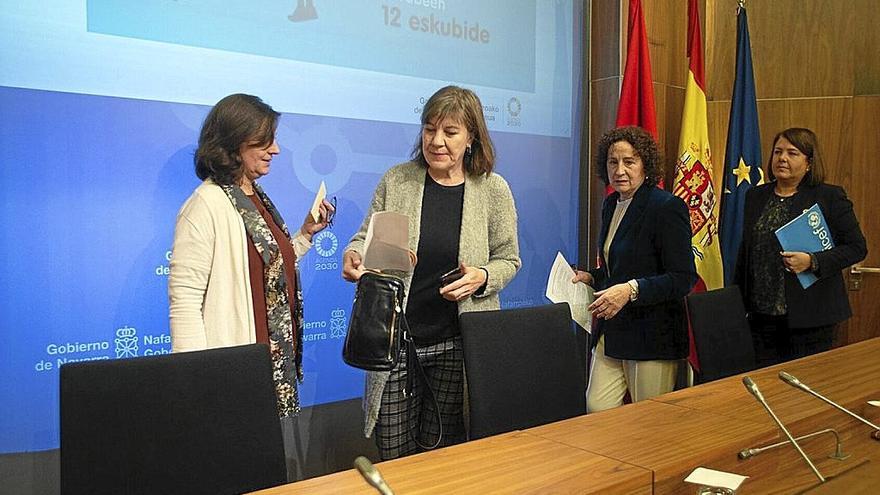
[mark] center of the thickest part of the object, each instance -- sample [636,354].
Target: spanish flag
[693,175]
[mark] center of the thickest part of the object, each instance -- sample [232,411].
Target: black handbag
[375,327]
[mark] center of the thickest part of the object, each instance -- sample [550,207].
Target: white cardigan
[209,289]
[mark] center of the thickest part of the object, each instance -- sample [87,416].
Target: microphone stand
[794,382]
[752,387]
[838,451]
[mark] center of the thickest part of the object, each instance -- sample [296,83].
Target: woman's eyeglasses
[331,214]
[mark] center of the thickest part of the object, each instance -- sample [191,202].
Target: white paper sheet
[710,477]
[319,197]
[561,290]
[386,246]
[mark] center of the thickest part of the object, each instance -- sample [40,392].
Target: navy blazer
[825,302]
[652,245]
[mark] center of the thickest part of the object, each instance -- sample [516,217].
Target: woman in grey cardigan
[461,215]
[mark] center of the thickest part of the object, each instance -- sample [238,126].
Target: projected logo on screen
[336,325]
[126,342]
[326,243]
[514,107]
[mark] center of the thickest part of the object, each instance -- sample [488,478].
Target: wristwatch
[814,263]
[633,290]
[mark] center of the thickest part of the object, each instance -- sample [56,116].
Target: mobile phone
[451,276]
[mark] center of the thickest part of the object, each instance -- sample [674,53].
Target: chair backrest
[721,333]
[194,422]
[525,367]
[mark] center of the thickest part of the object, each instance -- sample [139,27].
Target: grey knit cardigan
[488,240]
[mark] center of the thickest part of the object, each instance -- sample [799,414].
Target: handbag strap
[413,364]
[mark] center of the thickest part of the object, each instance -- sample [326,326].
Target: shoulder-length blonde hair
[464,105]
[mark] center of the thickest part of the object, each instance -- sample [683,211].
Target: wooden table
[509,463]
[863,479]
[649,447]
[849,376]
[667,439]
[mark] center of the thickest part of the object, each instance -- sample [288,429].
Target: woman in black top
[461,215]
[787,320]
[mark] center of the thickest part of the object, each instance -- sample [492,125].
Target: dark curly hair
[235,120]
[645,146]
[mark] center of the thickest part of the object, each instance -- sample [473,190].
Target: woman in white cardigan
[461,215]
[233,276]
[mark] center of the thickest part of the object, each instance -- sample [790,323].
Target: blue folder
[807,233]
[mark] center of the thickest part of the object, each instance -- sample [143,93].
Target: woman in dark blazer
[646,268]
[787,320]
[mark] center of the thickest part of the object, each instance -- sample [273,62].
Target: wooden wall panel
[719,43]
[864,191]
[604,97]
[799,48]
[866,200]
[666,24]
[865,47]
[669,129]
[605,22]
[718,113]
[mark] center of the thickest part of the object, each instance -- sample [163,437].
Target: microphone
[371,474]
[752,387]
[794,382]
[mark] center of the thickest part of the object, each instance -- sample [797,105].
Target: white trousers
[610,379]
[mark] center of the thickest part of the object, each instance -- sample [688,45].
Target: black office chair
[188,423]
[525,367]
[721,333]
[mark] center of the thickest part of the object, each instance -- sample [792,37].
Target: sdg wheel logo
[326,243]
[514,107]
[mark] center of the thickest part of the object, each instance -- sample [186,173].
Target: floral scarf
[285,332]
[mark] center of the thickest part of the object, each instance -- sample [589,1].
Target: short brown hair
[462,104]
[644,145]
[235,120]
[807,143]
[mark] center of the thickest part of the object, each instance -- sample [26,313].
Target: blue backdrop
[90,189]
[100,107]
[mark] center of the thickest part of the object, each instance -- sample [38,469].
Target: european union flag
[742,160]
